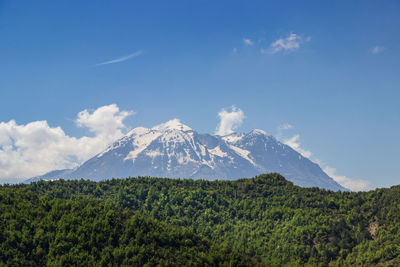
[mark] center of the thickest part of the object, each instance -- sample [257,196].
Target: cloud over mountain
[31,149]
[229,121]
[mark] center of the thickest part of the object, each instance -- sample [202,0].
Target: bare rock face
[373,228]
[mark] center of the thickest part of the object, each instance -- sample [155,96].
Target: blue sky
[330,69]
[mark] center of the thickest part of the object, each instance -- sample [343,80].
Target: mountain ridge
[175,150]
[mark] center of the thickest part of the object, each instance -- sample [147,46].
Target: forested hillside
[265,220]
[37,231]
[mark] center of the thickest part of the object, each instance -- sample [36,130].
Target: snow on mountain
[233,138]
[173,149]
[174,124]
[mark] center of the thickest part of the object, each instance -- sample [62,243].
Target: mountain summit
[173,149]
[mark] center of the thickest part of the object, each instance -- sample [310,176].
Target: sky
[321,76]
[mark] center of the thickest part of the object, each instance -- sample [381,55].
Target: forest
[144,221]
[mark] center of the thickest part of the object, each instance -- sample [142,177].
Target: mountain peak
[174,124]
[258,131]
[138,131]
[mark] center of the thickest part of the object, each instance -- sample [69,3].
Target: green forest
[262,221]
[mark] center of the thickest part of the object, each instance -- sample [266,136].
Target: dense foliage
[265,220]
[37,231]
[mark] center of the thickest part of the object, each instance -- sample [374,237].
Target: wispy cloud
[248,42]
[285,126]
[377,49]
[294,142]
[289,44]
[347,182]
[281,128]
[121,59]
[229,121]
[350,183]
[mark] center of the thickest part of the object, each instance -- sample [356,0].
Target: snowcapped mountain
[173,150]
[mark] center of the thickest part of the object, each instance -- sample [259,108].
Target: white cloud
[229,121]
[35,148]
[248,42]
[290,43]
[294,142]
[281,128]
[350,183]
[106,120]
[285,126]
[377,49]
[121,59]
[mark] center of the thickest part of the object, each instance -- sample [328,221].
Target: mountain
[175,150]
[50,175]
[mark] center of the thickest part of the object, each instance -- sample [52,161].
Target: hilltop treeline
[261,221]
